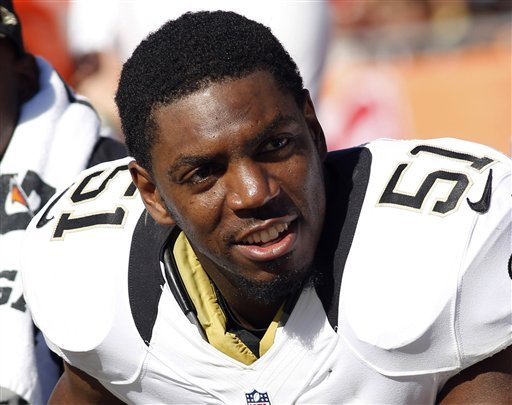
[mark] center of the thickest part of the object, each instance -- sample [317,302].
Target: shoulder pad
[79,246]
[416,242]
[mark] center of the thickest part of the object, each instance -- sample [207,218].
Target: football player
[233,260]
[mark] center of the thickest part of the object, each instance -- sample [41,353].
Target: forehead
[229,108]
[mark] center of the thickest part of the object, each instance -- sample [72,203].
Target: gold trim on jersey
[210,314]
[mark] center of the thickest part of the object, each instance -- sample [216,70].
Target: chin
[279,283]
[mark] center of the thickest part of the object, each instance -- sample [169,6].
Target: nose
[250,185]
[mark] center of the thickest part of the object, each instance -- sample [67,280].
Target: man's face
[238,167]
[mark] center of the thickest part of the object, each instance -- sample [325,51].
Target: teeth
[267,234]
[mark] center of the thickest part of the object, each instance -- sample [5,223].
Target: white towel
[55,136]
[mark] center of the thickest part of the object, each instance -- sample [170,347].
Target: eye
[202,173]
[275,144]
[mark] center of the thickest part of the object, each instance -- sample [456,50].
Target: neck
[249,313]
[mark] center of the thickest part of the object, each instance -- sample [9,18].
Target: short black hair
[188,54]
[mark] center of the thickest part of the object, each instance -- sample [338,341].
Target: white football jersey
[417,246]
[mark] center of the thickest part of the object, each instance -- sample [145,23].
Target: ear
[150,194]
[314,126]
[27,75]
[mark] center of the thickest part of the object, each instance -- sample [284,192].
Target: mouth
[270,241]
[266,235]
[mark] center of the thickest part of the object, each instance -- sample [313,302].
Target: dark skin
[19,82]
[239,159]
[236,160]
[77,387]
[487,382]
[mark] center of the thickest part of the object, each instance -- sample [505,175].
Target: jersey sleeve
[79,246]
[483,309]
[426,288]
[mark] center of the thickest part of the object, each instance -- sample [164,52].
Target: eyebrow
[191,161]
[194,161]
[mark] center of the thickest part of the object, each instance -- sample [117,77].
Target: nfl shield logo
[257,398]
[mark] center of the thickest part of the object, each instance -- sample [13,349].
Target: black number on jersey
[68,223]
[79,195]
[461,181]
[5,292]
[83,193]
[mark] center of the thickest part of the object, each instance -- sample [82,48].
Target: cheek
[198,215]
[8,104]
[306,179]
[311,194]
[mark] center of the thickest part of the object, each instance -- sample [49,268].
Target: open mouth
[267,236]
[270,243]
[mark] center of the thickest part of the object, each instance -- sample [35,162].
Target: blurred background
[420,68]
[390,68]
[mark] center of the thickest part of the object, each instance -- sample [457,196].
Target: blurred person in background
[302,27]
[44,33]
[47,135]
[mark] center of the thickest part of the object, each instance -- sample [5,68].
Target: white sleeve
[426,292]
[484,305]
[69,275]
